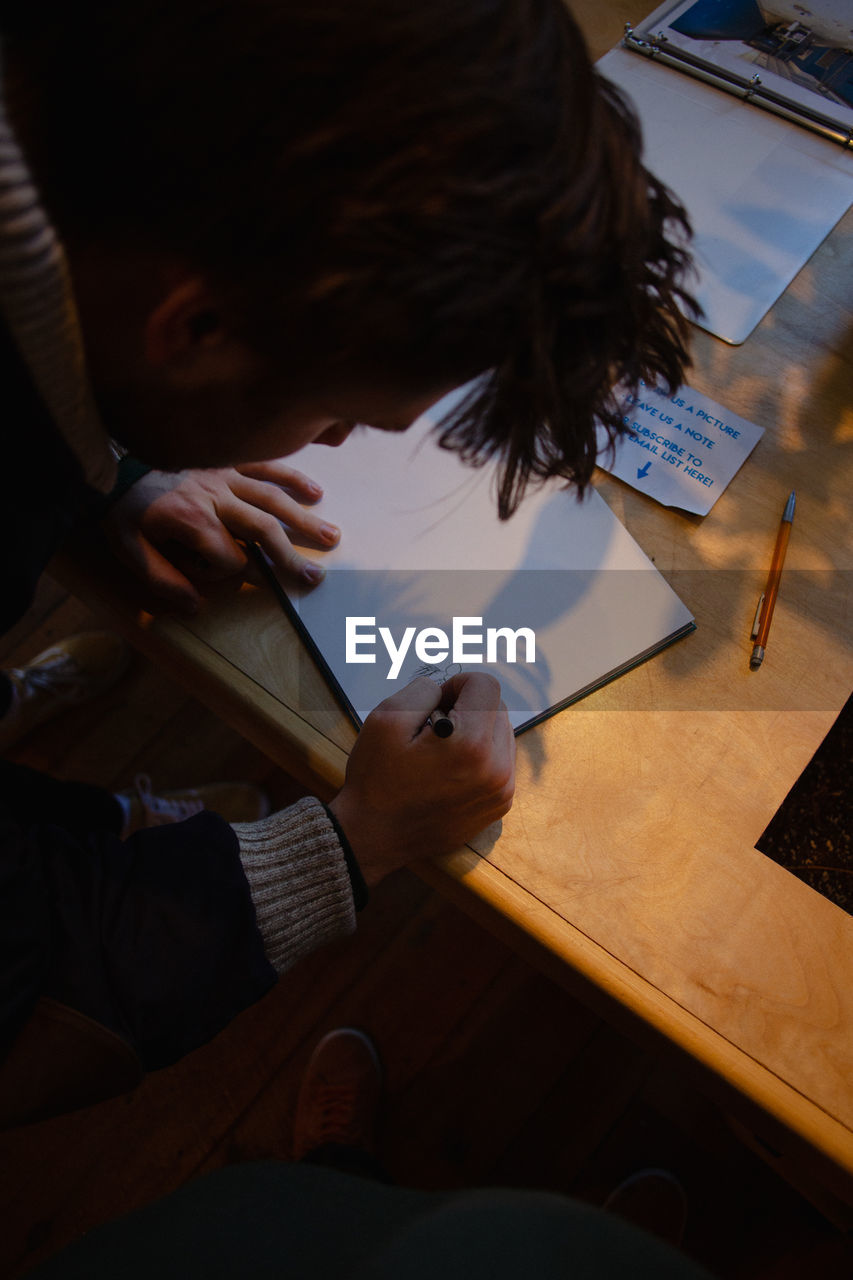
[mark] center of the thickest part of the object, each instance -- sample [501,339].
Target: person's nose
[336,434]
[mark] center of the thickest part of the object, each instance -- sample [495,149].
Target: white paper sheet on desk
[683,450]
[761,193]
[421,544]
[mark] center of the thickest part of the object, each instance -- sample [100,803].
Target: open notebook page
[422,544]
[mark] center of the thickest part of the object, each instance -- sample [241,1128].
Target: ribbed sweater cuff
[298,879]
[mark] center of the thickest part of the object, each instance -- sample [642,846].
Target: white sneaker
[233,801]
[63,676]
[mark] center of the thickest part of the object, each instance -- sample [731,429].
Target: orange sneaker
[339,1097]
[653,1199]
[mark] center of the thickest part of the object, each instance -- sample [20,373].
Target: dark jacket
[149,944]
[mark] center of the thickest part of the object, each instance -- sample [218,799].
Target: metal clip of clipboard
[658,48]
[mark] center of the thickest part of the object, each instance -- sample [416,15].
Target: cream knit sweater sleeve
[38,306]
[298,879]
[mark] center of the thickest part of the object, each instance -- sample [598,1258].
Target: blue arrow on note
[643,471]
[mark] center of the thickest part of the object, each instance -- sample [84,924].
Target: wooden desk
[627,865]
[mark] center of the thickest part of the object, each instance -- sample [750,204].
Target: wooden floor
[494,1075]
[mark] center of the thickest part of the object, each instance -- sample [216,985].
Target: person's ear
[186,334]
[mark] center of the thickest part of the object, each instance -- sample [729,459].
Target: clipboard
[799,68]
[761,191]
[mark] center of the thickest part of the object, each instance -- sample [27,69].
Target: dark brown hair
[411,192]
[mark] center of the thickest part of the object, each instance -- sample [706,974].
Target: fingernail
[315,489]
[313,573]
[329,532]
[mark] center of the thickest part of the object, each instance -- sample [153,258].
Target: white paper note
[683,449]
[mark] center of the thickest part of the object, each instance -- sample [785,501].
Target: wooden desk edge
[583,967]
[270,725]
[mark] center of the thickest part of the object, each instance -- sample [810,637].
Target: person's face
[173,432]
[180,394]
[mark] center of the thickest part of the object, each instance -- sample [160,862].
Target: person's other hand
[409,794]
[179,530]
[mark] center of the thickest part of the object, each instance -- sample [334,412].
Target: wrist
[358,838]
[130,470]
[360,893]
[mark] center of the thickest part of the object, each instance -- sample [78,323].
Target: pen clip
[756,623]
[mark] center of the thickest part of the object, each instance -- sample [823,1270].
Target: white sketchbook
[422,545]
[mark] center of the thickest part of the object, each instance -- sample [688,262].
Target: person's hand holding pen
[410,794]
[179,531]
